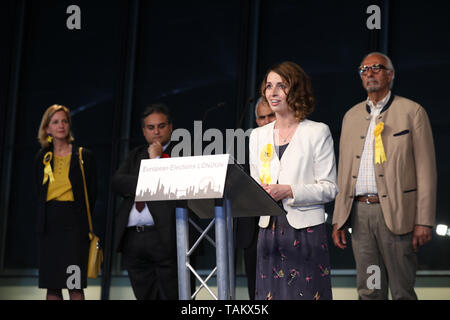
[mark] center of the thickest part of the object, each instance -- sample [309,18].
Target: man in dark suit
[145,231]
[246,234]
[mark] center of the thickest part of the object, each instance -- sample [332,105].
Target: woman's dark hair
[299,93]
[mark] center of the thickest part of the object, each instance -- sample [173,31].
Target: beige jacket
[406,182]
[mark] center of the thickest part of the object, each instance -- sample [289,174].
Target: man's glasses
[375,68]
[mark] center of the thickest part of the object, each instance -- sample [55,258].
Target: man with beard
[387,184]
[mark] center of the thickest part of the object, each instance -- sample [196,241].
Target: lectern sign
[199,177]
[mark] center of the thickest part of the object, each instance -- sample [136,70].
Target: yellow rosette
[380,155]
[266,156]
[48,173]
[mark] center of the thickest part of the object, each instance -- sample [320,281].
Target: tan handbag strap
[80,153]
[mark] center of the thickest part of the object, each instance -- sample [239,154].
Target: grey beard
[373,88]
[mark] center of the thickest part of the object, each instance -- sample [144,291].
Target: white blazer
[308,165]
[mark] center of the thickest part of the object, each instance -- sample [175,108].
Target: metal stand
[224,252]
[242,197]
[184,285]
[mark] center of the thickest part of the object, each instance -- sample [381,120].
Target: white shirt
[366,183]
[143,218]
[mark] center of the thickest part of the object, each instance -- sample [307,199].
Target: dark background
[194,55]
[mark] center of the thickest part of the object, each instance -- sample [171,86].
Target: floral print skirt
[292,264]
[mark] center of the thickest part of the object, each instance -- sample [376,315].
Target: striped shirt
[366,184]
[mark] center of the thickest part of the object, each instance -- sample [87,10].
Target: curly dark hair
[300,98]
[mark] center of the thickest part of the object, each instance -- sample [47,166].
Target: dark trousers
[250,266]
[152,268]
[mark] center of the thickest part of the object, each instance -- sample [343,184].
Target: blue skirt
[292,264]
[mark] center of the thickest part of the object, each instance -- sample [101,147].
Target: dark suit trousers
[152,268]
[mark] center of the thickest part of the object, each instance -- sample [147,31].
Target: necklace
[287,136]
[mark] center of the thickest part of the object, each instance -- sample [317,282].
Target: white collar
[165,146]
[380,103]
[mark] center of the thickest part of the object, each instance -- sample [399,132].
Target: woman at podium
[293,160]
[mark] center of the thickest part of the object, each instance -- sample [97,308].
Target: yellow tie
[380,155]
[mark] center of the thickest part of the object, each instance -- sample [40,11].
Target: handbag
[95,251]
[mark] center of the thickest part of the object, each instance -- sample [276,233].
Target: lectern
[243,197]
[229,194]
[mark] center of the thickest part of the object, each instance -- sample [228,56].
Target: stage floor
[25,288]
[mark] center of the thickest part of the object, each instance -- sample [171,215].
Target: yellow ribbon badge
[380,155]
[48,173]
[265,156]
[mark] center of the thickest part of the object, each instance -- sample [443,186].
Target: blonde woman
[293,160]
[62,223]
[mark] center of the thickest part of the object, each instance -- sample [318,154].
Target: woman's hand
[278,191]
